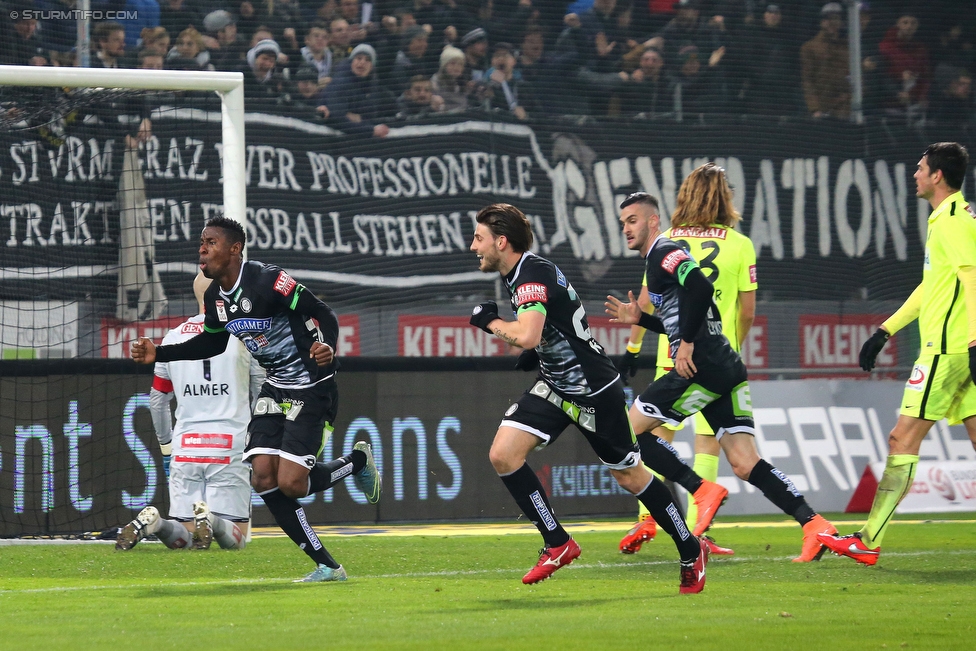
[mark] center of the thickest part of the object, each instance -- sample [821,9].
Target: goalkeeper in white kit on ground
[293,336]
[209,485]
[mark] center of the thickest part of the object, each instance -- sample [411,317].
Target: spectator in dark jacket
[647,94]
[357,102]
[475,46]
[952,102]
[696,86]
[177,15]
[19,44]
[507,92]
[767,65]
[306,100]
[109,39]
[419,100]
[412,59]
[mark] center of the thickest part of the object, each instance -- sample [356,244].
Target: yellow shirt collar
[955,196]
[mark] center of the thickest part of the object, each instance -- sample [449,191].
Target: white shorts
[225,487]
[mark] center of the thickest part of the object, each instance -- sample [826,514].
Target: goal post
[229,86]
[70,200]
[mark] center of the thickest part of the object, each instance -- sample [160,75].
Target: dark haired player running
[577,385]
[292,334]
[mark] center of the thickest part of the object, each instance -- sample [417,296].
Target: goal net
[82,273]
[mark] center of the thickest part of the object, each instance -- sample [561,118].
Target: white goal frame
[228,85]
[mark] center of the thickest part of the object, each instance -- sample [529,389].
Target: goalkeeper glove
[483,315]
[167,450]
[528,360]
[972,362]
[627,366]
[873,346]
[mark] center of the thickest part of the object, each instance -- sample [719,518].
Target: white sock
[227,534]
[173,534]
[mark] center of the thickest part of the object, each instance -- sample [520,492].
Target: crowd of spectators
[361,66]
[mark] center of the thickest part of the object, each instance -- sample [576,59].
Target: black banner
[830,207]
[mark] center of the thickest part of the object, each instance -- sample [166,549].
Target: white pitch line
[424,575]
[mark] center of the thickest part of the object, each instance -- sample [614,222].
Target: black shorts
[543,413]
[719,390]
[293,424]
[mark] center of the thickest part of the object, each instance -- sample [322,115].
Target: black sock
[529,494]
[674,497]
[664,460]
[323,476]
[290,516]
[668,516]
[779,490]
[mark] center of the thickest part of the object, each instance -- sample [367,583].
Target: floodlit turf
[460,592]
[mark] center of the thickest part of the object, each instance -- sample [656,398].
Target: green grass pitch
[464,592]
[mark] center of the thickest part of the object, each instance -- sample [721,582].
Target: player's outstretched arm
[202,346]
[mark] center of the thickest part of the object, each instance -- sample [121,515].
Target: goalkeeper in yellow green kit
[941,384]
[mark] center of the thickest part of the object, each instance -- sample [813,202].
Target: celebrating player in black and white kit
[577,384]
[293,336]
[708,375]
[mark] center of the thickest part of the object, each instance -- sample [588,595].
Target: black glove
[528,360]
[483,315]
[627,366]
[972,363]
[871,348]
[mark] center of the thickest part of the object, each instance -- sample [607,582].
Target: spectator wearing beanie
[357,102]
[228,46]
[263,82]
[447,81]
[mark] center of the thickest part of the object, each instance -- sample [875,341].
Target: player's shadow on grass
[532,602]
[966,576]
[216,590]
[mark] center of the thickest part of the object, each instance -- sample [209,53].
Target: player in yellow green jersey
[728,260]
[941,384]
[702,382]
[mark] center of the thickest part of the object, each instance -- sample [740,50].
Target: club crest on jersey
[531,293]
[673,259]
[752,273]
[246,305]
[284,284]
[221,310]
